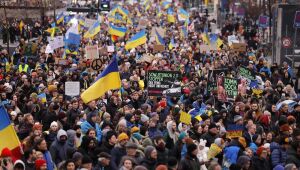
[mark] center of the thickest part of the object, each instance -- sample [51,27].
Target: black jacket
[260,164]
[189,163]
[210,138]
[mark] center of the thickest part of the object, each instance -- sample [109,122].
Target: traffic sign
[286,42]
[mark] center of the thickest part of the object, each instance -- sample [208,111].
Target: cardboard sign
[239,47]
[158,48]
[92,52]
[232,39]
[49,49]
[145,58]
[89,22]
[111,49]
[207,48]
[234,131]
[72,88]
[158,81]
[56,42]
[185,118]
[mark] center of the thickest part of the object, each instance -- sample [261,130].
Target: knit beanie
[123,136]
[6,153]
[260,150]
[278,167]
[39,163]
[148,151]
[242,160]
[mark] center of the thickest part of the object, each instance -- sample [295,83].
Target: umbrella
[290,103]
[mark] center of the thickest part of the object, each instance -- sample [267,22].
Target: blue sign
[74,39]
[263,21]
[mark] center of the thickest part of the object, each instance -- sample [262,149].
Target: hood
[19,162]
[71,133]
[274,146]
[169,128]
[60,133]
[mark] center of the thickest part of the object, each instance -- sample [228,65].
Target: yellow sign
[185,118]
[213,151]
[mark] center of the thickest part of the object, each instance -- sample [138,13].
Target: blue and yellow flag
[9,138]
[166,4]
[213,38]
[107,80]
[170,16]
[184,32]
[172,44]
[21,25]
[219,43]
[93,30]
[118,31]
[147,5]
[205,38]
[60,18]
[138,39]
[183,14]
[159,39]
[42,96]
[81,20]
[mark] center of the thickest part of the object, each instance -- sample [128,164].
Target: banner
[212,79]
[185,118]
[234,131]
[158,81]
[173,92]
[92,52]
[208,48]
[227,88]
[72,88]
[246,73]
[74,39]
[213,151]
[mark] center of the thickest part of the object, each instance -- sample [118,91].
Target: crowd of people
[126,129]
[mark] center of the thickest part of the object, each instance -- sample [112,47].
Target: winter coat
[150,164]
[58,149]
[105,147]
[116,155]
[260,164]
[162,155]
[278,154]
[293,157]
[171,137]
[153,132]
[209,138]
[86,151]
[189,163]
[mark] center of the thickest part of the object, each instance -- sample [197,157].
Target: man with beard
[109,143]
[162,151]
[133,152]
[119,150]
[211,135]
[29,159]
[58,148]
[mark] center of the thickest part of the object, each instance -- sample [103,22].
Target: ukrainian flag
[123,11]
[166,4]
[107,80]
[118,31]
[147,5]
[183,14]
[60,18]
[8,136]
[219,43]
[138,39]
[172,44]
[170,16]
[159,39]
[81,20]
[93,30]
[205,38]
[42,96]
[184,32]
[21,25]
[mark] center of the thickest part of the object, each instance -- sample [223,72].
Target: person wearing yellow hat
[119,150]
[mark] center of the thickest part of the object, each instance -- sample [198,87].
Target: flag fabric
[73,29]
[8,136]
[205,38]
[170,16]
[107,80]
[219,43]
[172,44]
[138,39]
[93,30]
[183,32]
[53,30]
[159,12]
[166,4]
[213,38]
[114,38]
[159,39]
[118,31]
[42,96]
[183,15]
[206,2]
[147,4]
[60,18]
[81,20]
[21,25]
[123,11]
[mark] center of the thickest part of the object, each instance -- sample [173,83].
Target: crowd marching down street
[149,85]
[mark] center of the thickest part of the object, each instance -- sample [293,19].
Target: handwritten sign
[56,42]
[239,47]
[185,118]
[158,48]
[234,131]
[212,81]
[72,88]
[231,87]
[213,151]
[158,81]
[111,49]
[246,73]
[92,52]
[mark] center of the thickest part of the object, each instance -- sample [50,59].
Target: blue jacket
[48,159]
[231,154]
[85,126]
[278,154]
[266,70]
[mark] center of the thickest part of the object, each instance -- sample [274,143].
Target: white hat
[53,124]
[13,113]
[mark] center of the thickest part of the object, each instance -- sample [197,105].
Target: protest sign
[56,42]
[246,73]
[111,49]
[239,47]
[207,48]
[232,39]
[61,61]
[72,88]
[48,49]
[89,22]
[92,52]
[158,81]
[234,130]
[173,92]
[212,78]
[73,39]
[159,30]
[185,118]
[213,151]
[143,23]
[231,87]
[158,48]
